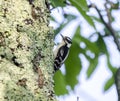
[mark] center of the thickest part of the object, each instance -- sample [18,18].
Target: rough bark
[26,58]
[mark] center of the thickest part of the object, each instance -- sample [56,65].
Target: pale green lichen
[19,43]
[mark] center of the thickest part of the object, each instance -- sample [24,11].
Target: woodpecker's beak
[62,37]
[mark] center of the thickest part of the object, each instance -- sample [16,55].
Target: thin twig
[111,30]
[108,12]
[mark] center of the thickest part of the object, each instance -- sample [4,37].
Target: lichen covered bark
[26,56]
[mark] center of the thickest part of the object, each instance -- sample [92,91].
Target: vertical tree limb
[117,82]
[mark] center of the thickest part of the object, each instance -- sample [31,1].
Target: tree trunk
[117,82]
[26,57]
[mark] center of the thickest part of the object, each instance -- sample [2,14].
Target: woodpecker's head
[67,40]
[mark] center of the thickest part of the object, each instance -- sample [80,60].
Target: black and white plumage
[61,52]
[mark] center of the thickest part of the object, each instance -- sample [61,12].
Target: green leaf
[112,69]
[60,84]
[101,44]
[73,63]
[78,5]
[107,32]
[115,6]
[69,17]
[82,4]
[96,19]
[92,66]
[90,45]
[58,3]
[109,83]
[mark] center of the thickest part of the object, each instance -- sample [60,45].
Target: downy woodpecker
[61,52]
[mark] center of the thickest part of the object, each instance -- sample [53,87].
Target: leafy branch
[107,25]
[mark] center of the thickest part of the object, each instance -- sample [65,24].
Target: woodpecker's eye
[68,40]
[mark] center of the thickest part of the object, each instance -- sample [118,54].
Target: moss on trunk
[26,58]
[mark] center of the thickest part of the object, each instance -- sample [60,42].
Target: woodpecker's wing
[63,53]
[61,57]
